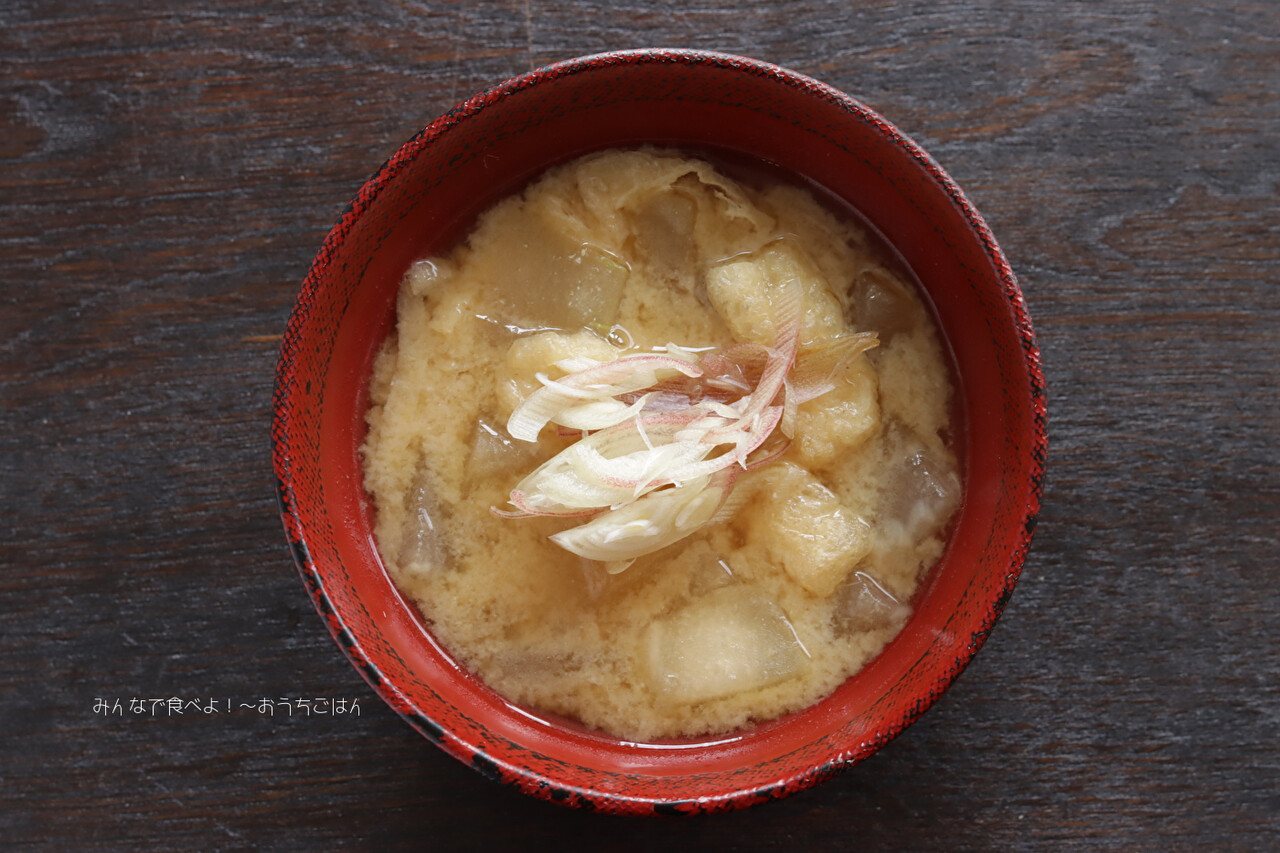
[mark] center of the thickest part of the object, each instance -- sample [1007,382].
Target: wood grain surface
[167,171]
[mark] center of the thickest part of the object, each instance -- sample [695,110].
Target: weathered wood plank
[167,171]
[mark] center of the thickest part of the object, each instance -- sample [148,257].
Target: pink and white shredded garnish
[665,434]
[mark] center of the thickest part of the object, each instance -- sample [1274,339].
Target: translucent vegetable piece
[595,279]
[731,640]
[421,548]
[494,452]
[426,275]
[664,234]
[881,304]
[863,605]
[923,491]
[706,568]
[541,277]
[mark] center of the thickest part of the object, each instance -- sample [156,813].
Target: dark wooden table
[168,169]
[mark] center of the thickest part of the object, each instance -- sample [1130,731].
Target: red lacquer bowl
[426,197]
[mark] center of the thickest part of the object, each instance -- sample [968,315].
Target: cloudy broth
[655,303]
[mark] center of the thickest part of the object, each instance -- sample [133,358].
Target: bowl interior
[426,197]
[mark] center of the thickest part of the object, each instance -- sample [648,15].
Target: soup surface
[661,450]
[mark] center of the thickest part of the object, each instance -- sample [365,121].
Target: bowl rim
[473,754]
